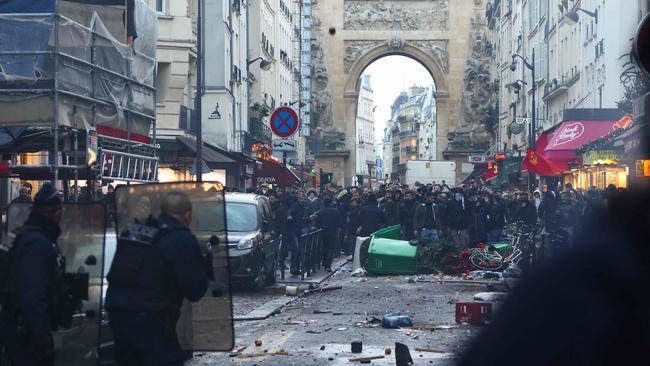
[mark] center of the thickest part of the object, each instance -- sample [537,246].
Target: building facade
[365,130]
[175,81]
[578,62]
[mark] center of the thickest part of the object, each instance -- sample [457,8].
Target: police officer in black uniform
[144,309]
[28,315]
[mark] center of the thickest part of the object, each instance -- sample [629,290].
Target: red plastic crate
[473,312]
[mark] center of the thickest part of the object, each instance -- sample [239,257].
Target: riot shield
[82,239]
[206,325]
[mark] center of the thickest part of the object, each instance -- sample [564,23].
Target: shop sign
[646,168]
[596,157]
[478,159]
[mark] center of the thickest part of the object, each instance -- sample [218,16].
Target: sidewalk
[317,277]
[272,306]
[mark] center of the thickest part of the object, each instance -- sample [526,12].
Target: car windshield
[241,217]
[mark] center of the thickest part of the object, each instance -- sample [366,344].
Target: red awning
[571,135]
[274,173]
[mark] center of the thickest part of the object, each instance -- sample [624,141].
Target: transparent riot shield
[83,229]
[206,325]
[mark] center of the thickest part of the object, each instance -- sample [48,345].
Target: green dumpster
[388,254]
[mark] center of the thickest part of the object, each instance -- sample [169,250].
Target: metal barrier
[311,253]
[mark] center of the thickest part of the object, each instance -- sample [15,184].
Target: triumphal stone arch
[448,37]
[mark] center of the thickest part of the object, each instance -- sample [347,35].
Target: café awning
[272,172]
[570,136]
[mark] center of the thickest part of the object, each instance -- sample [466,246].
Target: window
[161,6]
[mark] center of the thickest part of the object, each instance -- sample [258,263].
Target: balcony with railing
[259,131]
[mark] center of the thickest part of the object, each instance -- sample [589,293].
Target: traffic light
[326,178]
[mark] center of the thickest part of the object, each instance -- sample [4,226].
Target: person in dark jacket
[328,220]
[426,221]
[279,225]
[457,219]
[296,227]
[39,262]
[353,222]
[496,219]
[526,213]
[478,225]
[393,200]
[407,214]
[23,195]
[371,217]
[144,310]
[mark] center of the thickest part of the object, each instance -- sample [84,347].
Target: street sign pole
[284,173]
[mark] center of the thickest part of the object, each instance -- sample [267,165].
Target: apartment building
[365,138]
[579,48]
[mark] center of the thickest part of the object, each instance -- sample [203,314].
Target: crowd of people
[465,216]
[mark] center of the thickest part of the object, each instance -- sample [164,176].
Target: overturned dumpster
[388,254]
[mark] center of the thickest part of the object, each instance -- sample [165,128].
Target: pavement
[316,329]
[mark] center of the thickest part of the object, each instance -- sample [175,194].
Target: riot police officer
[145,293]
[28,315]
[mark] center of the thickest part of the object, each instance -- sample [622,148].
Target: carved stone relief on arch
[437,49]
[397,15]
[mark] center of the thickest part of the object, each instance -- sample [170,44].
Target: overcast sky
[389,76]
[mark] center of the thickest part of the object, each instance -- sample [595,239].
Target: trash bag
[396,320]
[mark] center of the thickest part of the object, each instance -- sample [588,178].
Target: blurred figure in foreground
[589,306]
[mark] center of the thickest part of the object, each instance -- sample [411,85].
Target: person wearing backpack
[147,287]
[36,264]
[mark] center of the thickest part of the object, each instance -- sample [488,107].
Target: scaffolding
[73,90]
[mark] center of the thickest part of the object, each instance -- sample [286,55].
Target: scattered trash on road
[485,275]
[474,312]
[342,328]
[366,358]
[258,342]
[356,347]
[396,320]
[402,355]
[429,350]
[387,351]
[322,311]
[490,296]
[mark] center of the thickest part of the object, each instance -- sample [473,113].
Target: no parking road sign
[284,122]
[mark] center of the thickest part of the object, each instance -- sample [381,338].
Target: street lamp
[264,64]
[533,123]
[572,17]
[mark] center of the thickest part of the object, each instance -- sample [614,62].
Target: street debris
[356,347]
[312,332]
[322,348]
[237,351]
[396,320]
[342,328]
[473,312]
[431,350]
[387,351]
[402,355]
[435,327]
[359,272]
[322,311]
[490,296]
[258,342]
[366,358]
[323,289]
[485,275]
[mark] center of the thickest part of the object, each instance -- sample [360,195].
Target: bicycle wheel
[486,262]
